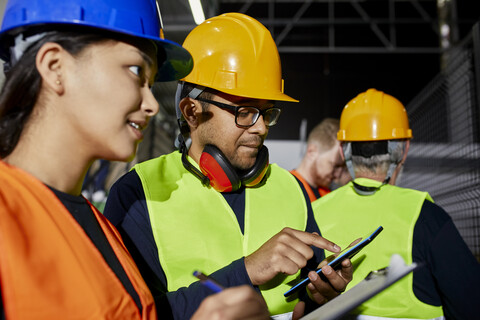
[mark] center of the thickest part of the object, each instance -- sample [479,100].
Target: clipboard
[374,283]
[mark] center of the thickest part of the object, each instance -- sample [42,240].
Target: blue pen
[208,282]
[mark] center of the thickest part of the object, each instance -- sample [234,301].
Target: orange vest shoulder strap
[115,240]
[307,187]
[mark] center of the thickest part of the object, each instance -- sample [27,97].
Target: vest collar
[366,187]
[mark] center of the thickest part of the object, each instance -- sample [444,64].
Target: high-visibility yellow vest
[343,215]
[195,228]
[49,267]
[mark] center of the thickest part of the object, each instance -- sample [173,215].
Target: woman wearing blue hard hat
[77,89]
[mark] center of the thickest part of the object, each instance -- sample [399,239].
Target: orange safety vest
[321,190]
[49,267]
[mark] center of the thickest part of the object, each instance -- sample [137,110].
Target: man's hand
[286,252]
[233,304]
[321,291]
[299,310]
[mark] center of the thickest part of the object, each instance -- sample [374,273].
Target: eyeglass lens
[248,116]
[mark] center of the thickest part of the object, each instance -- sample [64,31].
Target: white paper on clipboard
[367,288]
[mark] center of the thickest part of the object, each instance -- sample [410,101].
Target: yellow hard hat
[235,54]
[374,115]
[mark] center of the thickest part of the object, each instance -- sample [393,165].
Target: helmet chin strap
[394,162]
[183,140]
[347,153]
[394,159]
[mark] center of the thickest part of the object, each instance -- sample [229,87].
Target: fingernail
[337,248]
[327,269]
[313,276]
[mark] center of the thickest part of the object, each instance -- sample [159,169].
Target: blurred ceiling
[330,25]
[324,40]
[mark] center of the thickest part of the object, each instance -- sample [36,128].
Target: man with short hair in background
[322,163]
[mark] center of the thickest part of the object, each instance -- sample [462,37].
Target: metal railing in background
[444,157]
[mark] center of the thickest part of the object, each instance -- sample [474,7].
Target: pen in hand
[208,282]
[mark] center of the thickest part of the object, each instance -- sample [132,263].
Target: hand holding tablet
[335,260]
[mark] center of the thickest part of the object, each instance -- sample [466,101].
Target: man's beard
[245,162]
[242,164]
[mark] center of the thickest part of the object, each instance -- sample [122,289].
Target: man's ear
[342,155]
[312,150]
[49,64]
[190,110]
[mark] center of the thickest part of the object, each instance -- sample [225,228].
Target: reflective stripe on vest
[195,228]
[344,215]
[50,268]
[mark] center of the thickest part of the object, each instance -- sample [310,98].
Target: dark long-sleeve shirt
[450,275]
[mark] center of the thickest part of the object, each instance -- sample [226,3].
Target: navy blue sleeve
[450,274]
[185,301]
[126,208]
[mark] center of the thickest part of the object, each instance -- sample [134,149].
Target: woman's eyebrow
[147,58]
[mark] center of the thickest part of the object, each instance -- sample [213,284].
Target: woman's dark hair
[23,81]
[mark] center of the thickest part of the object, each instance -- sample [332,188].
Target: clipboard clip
[377,273]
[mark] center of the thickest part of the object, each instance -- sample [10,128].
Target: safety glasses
[247,116]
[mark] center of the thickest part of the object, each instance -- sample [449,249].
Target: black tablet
[337,258]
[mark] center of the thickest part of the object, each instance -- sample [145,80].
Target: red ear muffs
[223,177]
[218,169]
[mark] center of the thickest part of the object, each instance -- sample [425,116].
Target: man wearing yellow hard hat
[375,136]
[218,205]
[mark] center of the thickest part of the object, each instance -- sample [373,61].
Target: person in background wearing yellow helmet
[218,205]
[77,88]
[322,162]
[375,136]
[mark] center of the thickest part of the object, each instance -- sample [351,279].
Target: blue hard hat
[138,18]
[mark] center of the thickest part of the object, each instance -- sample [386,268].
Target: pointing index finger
[316,240]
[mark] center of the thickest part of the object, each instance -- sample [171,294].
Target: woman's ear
[49,64]
[190,110]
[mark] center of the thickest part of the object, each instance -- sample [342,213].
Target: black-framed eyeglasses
[247,116]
